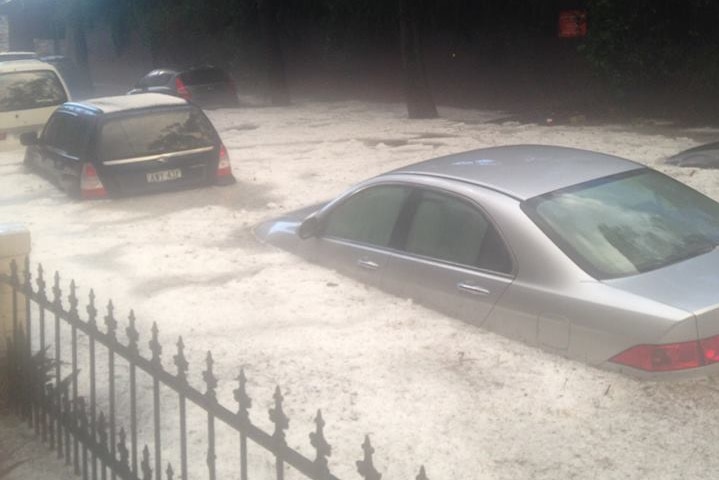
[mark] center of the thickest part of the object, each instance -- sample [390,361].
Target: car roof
[27,55]
[161,71]
[123,103]
[523,171]
[24,66]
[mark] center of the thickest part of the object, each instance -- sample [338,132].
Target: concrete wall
[14,245]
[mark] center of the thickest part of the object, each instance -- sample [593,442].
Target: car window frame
[397,243]
[325,215]
[54,149]
[475,206]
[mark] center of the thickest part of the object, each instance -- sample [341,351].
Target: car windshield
[155,133]
[629,223]
[27,90]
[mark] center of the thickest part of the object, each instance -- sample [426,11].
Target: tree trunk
[277,83]
[20,36]
[416,88]
[80,54]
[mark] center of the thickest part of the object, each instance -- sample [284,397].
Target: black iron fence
[61,401]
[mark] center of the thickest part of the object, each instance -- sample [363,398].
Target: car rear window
[155,133]
[628,223]
[203,76]
[28,90]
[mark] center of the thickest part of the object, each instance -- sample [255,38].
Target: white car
[30,91]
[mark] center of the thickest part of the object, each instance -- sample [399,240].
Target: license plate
[164,176]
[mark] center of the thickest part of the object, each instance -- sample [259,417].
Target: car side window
[157,79]
[369,216]
[144,82]
[66,133]
[449,229]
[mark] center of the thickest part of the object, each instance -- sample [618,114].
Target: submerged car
[128,145]
[206,86]
[30,91]
[703,156]
[588,255]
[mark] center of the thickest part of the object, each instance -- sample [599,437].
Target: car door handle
[368,264]
[472,289]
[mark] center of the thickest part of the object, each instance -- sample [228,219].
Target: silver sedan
[588,255]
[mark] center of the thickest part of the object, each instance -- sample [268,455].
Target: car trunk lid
[158,172]
[157,150]
[691,285]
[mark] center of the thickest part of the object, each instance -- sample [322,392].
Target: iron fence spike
[40,281]
[241,397]
[122,447]
[72,299]
[155,346]
[209,377]
[170,472]
[278,417]
[27,274]
[56,291]
[322,447]
[422,474]
[13,272]
[110,321]
[133,336]
[91,311]
[145,464]
[365,467]
[180,361]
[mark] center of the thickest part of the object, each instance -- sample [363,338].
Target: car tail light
[671,356]
[224,169]
[182,89]
[90,184]
[3,136]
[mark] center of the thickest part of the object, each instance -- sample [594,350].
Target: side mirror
[28,138]
[310,227]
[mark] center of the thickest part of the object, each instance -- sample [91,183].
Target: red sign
[572,23]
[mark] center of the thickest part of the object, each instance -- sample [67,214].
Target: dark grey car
[205,86]
[585,254]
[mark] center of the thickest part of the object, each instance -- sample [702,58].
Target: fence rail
[87,437]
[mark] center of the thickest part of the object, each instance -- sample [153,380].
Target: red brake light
[90,184]
[3,135]
[182,89]
[710,349]
[671,356]
[224,168]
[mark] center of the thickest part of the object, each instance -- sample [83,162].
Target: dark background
[639,57]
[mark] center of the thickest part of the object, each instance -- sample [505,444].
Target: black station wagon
[127,145]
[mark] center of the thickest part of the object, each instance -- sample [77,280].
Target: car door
[357,232]
[449,256]
[61,146]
